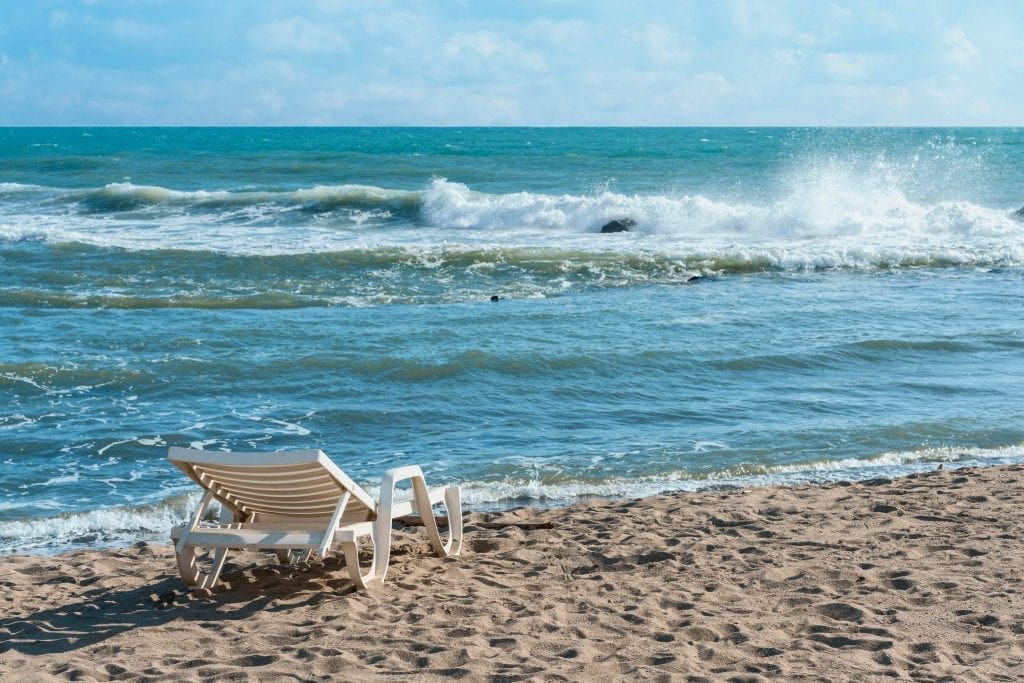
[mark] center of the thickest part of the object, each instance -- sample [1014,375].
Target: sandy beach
[917,578]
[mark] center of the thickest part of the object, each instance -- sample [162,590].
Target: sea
[788,306]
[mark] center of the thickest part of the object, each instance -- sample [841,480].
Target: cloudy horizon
[326,62]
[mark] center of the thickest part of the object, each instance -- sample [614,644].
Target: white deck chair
[300,501]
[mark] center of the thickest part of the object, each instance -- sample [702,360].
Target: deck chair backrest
[286,484]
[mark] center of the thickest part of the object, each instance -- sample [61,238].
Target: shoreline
[921,576]
[87,537]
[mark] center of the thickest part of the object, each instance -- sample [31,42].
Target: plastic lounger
[300,501]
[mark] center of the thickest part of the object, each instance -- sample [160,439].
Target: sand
[918,578]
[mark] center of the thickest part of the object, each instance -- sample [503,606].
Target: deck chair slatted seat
[301,502]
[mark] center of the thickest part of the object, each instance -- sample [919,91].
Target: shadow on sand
[91,616]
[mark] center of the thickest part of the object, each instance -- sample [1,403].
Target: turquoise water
[791,305]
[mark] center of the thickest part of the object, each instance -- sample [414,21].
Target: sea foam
[822,210]
[822,215]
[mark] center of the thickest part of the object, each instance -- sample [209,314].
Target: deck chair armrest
[423,502]
[388,488]
[332,526]
[397,474]
[422,498]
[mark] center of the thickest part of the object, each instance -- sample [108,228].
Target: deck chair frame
[299,503]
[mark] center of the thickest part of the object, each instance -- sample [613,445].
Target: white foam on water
[15,421]
[10,188]
[110,527]
[126,195]
[821,213]
[890,464]
[53,481]
[812,210]
[150,194]
[32,229]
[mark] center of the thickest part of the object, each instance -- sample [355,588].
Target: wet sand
[917,578]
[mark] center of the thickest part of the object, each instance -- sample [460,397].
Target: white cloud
[484,43]
[396,26]
[500,109]
[761,19]
[330,101]
[739,62]
[960,50]
[490,46]
[58,18]
[788,56]
[662,45]
[133,30]
[298,36]
[711,84]
[847,67]
[572,35]
[388,92]
[271,100]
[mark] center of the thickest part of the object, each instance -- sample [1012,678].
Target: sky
[515,62]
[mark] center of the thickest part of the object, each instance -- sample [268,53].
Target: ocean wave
[122,525]
[213,300]
[92,277]
[12,234]
[815,203]
[117,197]
[114,526]
[888,464]
[807,210]
[814,221]
[51,380]
[17,188]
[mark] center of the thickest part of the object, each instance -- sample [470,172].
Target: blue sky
[523,62]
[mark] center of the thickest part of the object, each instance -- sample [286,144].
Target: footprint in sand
[840,611]
[841,641]
[898,580]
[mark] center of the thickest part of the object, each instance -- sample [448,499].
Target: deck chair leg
[188,567]
[378,567]
[219,556]
[453,503]
[292,556]
[453,506]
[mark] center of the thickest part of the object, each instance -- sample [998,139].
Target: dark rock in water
[1019,213]
[619,225]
